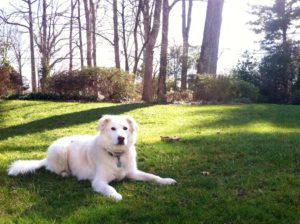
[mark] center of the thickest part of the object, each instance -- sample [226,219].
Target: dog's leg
[105,189]
[143,176]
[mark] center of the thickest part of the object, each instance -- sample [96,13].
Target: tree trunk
[135,37]
[116,34]
[124,37]
[43,49]
[93,32]
[186,24]
[210,44]
[32,55]
[73,5]
[80,36]
[161,91]
[150,33]
[88,32]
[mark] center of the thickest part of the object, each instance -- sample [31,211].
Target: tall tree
[210,44]
[94,9]
[186,25]
[124,39]
[27,14]
[137,54]
[73,5]
[161,90]
[80,44]
[150,34]
[88,26]
[276,22]
[49,38]
[279,67]
[116,34]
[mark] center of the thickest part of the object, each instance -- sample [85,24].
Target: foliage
[10,80]
[276,21]
[247,69]
[240,89]
[252,153]
[179,96]
[295,97]
[108,83]
[279,70]
[51,97]
[221,88]
[175,62]
[277,74]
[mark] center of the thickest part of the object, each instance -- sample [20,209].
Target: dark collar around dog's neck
[116,155]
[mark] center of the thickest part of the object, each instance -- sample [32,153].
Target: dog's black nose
[121,140]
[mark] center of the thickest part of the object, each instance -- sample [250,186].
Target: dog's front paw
[115,196]
[167,181]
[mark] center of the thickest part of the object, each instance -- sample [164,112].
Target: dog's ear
[133,125]
[103,122]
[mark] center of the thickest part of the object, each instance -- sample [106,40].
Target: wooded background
[68,32]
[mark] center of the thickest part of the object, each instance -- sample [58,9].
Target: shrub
[222,88]
[115,84]
[51,96]
[209,87]
[110,84]
[181,96]
[295,98]
[10,80]
[240,89]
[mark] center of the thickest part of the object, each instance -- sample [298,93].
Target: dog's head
[118,132]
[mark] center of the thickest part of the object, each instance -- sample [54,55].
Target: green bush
[240,89]
[221,88]
[295,98]
[109,84]
[50,97]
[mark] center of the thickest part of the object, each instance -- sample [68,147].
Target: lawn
[252,153]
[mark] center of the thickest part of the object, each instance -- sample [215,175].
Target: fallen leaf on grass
[169,138]
[205,173]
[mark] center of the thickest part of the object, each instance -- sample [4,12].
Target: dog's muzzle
[121,140]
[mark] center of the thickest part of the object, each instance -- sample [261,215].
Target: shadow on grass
[66,120]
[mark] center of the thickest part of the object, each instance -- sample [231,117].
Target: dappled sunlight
[265,127]
[251,152]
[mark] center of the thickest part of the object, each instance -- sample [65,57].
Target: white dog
[108,156]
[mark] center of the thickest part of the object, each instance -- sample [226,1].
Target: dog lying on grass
[109,155]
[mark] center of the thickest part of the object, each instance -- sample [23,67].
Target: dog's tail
[25,166]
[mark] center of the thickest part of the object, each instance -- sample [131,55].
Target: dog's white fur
[95,157]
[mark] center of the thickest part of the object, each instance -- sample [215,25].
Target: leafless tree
[80,44]
[210,44]
[87,10]
[124,39]
[71,49]
[151,28]
[25,13]
[116,34]
[137,52]
[18,50]
[49,37]
[161,91]
[186,25]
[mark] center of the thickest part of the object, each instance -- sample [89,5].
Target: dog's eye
[125,128]
[113,128]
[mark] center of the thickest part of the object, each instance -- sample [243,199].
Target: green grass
[251,151]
